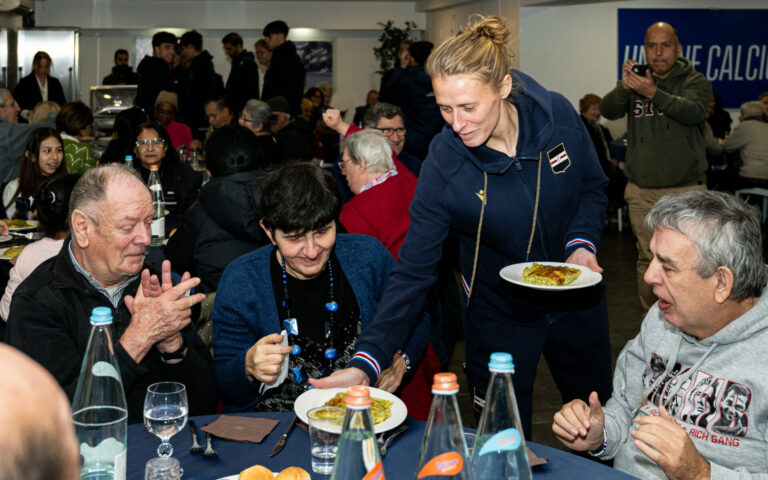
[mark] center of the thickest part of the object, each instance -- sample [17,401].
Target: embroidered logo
[481,195]
[558,159]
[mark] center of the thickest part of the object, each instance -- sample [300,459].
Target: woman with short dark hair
[74,122]
[224,221]
[309,294]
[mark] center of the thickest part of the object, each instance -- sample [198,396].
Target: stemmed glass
[165,412]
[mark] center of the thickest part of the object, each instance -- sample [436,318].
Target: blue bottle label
[503,441]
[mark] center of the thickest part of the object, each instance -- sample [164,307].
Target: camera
[640,69]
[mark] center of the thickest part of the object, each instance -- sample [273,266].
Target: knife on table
[281,442]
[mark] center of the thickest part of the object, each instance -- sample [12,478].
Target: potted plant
[390,39]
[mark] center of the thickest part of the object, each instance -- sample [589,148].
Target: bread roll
[256,472]
[293,473]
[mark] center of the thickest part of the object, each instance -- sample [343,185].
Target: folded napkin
[241,429]
[533,460]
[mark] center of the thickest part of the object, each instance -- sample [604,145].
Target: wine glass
[165,412]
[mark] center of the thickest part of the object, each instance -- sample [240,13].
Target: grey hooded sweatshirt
[716,388]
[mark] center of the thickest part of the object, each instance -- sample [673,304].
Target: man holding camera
[666,102]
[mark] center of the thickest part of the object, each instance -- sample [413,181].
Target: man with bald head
[102,265]
[666,107]
[38,441]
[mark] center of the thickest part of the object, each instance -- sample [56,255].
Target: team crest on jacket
[558,159]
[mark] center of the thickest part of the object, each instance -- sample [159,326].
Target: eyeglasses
[154,141]
[343,164]
[389,131]
[246,119]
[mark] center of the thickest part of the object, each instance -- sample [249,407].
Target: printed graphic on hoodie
[714,404]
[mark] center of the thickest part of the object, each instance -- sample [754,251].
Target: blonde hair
[40,113]
[478,49]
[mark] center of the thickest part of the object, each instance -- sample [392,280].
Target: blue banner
[730,47]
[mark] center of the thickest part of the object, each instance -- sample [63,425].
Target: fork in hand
[195,448]
[209,451]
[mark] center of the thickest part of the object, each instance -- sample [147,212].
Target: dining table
[399,462]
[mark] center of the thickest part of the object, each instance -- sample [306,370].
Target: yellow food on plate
[256,472]
[380,409]
[293,473]
[326,414]
[557,276]
[12,252]
[17,223]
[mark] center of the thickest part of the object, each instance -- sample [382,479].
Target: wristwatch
[406,359]
[177,354]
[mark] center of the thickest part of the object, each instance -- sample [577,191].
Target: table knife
[281,442]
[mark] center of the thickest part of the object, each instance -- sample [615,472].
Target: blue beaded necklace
[291,325]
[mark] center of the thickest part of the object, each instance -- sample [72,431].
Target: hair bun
[491,27]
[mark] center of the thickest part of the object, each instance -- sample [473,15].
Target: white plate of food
[258,472]
[19,225]
[318,397]
[9,253]
[5,238]
[562,272]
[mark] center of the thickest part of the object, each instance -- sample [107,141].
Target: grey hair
[753,109]
[324,86]
[259,112]
[3,93]
[371,146]
[92,188]
[381,109]
[726,232]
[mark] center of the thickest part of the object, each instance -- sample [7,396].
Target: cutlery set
[208,452]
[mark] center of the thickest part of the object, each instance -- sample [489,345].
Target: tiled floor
[617,257]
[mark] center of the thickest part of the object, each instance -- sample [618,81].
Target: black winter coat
[285,77]
[49,321]
[154,77]
[221,225]
[243,81]
[200,84]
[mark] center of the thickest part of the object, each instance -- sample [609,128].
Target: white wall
[573,49]
[111,24]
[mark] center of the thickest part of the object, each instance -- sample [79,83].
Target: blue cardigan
[245,310]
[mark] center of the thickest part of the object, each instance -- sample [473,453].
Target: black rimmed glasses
[388,132]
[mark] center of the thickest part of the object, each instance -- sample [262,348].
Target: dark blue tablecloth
[399,463]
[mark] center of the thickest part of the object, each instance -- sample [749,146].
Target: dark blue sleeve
[402,306]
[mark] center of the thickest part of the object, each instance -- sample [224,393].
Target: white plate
[317,397]
[588,277]
[31,224]
[5,238]
[3,250]
[234,477]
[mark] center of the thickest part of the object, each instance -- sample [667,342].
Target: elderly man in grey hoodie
[689,392]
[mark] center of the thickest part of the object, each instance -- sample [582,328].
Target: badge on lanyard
[558,159]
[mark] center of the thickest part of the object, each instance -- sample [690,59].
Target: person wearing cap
[285,76]
[102,265]
[318,288]
[166,106]
[154,72]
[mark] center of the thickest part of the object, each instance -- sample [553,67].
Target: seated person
[181,183]
[750,139]
[39,114]
[102,265]
[38,440]
[51,204]
[698,358]
[74,123]
[224,221]
[318,287]
[166,106]
[382,196]
[13,135]
[123,141]
[43,156]
[256,117]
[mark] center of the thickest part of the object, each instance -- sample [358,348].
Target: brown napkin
[241,429]
[533,460]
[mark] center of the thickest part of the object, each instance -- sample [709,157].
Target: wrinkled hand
[4,228]
[585,258]
[342,378]
[156,319]
[643,85]
[265,357]
[580,426]
[333,120]
[667,443]
[151,286]
[391,378]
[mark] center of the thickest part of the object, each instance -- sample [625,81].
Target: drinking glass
[324,432]
[163,468]
[165,412]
